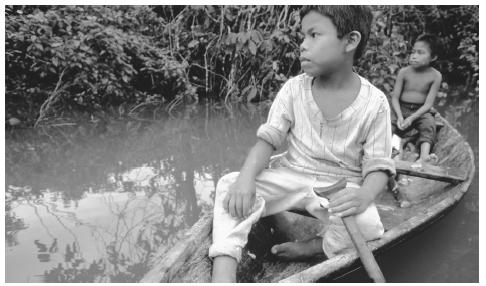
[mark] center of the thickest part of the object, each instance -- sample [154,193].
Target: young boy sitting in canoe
[414,94]
[337,125]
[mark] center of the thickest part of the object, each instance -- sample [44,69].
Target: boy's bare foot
[298,250]
[432,159]
[417,164]
[224,269]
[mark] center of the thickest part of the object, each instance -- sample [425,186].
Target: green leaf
[252,47]
[243,37]
[39,46]
[256,36]
[193,43]
[56,44]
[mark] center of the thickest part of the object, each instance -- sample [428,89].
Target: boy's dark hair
[346,18]
[432,40]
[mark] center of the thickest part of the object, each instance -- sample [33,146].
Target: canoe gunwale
[168,265]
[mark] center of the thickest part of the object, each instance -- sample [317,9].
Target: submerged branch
[46,106]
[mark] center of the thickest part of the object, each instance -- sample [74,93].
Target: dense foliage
[89,58]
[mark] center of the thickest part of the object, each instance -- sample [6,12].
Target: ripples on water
[97,201]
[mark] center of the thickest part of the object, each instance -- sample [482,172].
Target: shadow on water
[93,202]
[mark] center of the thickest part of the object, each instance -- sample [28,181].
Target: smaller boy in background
[414,94]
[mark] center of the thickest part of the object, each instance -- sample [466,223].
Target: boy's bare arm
[397,92]
[241,195]
[353,201]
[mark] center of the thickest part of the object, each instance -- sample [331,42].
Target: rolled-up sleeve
[280,118]
[377,147]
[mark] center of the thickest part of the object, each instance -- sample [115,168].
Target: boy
[414,94]
[336,124]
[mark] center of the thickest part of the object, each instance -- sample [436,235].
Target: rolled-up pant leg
[277,190]
[426,127]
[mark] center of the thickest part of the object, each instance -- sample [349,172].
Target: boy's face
[321,52]
[421,55]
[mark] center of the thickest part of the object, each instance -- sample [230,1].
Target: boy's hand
[240,198]
[350,201]
[407,122]
[400,123]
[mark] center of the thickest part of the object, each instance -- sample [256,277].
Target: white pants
[279,190]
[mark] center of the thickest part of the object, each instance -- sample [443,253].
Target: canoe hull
[429,200]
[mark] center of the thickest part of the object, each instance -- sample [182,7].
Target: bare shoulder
[405,71]
[436,73]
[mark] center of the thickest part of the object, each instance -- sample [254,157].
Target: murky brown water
[93,202]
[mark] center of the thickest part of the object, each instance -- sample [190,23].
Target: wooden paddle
[367,258]
[429,172]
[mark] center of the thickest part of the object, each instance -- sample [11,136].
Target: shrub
[87,58]
[238,53]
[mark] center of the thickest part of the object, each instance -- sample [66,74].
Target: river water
[92,201]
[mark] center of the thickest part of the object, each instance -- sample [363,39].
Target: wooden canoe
[428,200]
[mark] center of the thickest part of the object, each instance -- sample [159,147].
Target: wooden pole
[367,258]
[365,254]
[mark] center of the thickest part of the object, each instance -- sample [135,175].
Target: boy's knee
[426,130]
[427,127]
[222,187]
[225,181]
[370,224]
[427,135]
[426,123]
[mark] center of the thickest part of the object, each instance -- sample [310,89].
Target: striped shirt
[354,143]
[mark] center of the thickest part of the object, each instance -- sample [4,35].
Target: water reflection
[86,206]
[13,224]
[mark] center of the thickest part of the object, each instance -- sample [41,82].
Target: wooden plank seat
[429,172]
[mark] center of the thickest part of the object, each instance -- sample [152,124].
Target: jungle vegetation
[139,60]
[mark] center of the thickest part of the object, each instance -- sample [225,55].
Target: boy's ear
[353,39]
[434,58]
